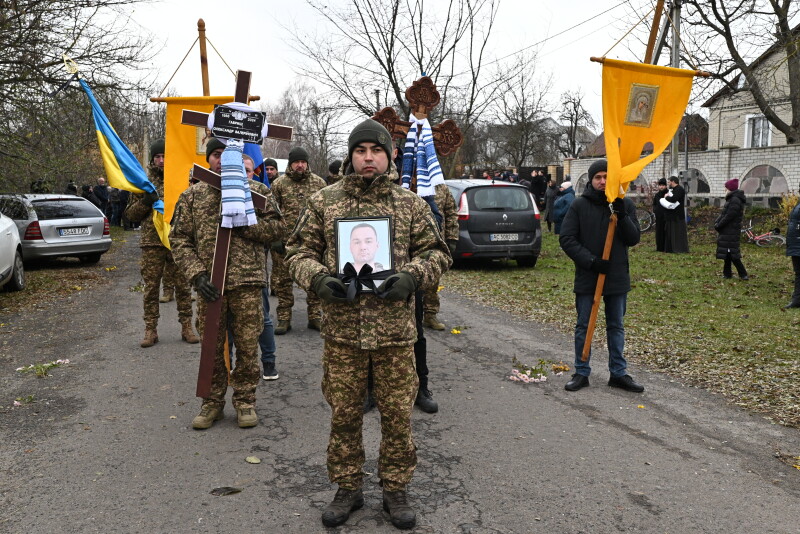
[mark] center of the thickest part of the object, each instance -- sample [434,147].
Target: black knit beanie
[156,147]
[369,131]
[298,153]
[212,145]
[269,162]
[334,167]
[600,165]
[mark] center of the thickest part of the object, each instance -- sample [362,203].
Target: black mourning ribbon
[366,277]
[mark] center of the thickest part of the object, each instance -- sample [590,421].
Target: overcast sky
[249,36]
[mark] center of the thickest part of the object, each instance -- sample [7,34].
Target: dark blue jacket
[583,236]
[793,233]
[561,205]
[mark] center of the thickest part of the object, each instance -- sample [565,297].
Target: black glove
[619,208]
[399,286]
[599,265]
[452,244]
[278,247]
[207,290]
[150,198]
[329,288]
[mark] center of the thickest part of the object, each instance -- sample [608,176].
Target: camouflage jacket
[194,236]
[138,211]
[418,249]
[292,194]
[449,210]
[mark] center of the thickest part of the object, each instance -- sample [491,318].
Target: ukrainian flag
[122,168]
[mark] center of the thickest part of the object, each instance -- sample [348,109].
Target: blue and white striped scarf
[420,150]
[237,204]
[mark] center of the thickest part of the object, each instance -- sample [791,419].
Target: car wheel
[90,258]
[527,261]
[17,282]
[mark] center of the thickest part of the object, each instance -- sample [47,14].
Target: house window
[758,131]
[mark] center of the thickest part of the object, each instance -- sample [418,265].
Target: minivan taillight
[33,232]
[106,227]
[463,208]
[535,207]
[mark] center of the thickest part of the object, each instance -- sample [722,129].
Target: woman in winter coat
[793,250]
[729,227]
[565,197]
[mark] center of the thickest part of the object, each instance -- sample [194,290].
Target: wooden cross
[220,262]
[422,97]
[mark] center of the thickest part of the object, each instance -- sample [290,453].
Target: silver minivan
[58,225]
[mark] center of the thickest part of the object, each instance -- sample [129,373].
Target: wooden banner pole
[598,292]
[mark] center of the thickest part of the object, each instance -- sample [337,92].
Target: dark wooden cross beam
[220,262]
[422,97]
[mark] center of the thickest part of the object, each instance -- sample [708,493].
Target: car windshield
[64,208]
[501,198]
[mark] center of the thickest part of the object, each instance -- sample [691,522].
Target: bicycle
[770,239]
[646,219]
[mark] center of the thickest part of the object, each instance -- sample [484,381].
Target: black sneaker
[400,512]
[425,401]
[577,382]
[270,373]
[338,511]
[625,382]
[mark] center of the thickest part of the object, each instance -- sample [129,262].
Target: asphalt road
[108,445]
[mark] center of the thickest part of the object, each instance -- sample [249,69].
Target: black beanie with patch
[369,131]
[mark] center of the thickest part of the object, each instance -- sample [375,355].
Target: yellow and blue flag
[122,168]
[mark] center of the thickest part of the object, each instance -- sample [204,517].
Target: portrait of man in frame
[365,241]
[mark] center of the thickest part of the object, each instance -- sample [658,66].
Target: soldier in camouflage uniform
[447,207]
[292,191]
[370,329]
[156,258]
[193,238]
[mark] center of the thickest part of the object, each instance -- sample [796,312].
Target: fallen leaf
[253,460]
[225,490]
[173,416]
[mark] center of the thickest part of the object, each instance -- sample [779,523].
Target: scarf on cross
[237,203]
[420,150]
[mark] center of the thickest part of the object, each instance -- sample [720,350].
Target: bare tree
[315,123]
[33,36]
[577,122]
[724,38]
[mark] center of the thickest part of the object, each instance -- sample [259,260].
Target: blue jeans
[267,338]
[615,332]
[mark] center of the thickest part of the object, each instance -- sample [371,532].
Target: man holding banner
[583,234]
[156,258]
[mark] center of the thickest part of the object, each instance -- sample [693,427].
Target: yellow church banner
[641,103]
[184,145]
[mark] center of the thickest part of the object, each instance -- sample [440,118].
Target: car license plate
[503,237]
[79,230]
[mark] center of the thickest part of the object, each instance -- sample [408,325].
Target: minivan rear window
[500,198]
[65,209]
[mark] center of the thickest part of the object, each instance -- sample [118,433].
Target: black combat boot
[338,511]
[425,401]
[400,513]
[795,302]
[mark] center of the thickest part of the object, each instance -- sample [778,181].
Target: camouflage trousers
[168,282]
[243,313]
[282,284]
[155,261]
[344,385]
[431,302]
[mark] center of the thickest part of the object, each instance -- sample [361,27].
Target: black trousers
[726,269]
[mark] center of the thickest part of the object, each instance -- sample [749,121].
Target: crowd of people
[369,255]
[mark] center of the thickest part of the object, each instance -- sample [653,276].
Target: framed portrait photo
[364,241]
[641,104]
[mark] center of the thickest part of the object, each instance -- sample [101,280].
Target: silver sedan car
[58,225]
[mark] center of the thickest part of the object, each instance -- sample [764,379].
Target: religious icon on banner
[641,103]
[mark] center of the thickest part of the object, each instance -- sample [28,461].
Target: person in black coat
[676,238]
[549,199]
[729,227]
[583,237]
[793,250]
[658,213]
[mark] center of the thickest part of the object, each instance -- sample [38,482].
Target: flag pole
[598,291]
